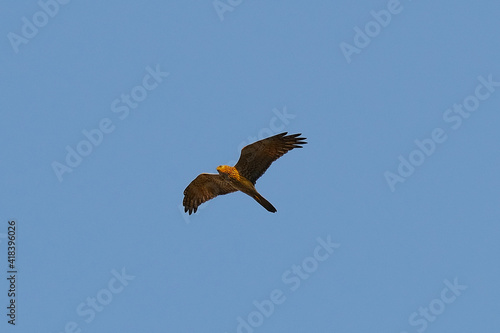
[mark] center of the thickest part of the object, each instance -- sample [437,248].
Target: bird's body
[240,183]
[254,161]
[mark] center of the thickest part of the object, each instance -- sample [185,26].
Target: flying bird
[254,161]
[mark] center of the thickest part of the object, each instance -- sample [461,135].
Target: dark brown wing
[203,188]
[257,157]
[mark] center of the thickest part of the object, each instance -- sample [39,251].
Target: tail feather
[264,203]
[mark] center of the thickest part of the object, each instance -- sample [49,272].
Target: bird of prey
[254,161]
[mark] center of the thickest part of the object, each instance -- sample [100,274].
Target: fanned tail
[264,203]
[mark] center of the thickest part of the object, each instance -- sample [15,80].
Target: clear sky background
[400,104]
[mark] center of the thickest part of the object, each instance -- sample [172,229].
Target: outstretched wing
[203,188]
[257,157]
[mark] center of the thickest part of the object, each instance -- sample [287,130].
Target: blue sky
[388,219]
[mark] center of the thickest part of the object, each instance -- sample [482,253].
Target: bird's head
[224,170]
